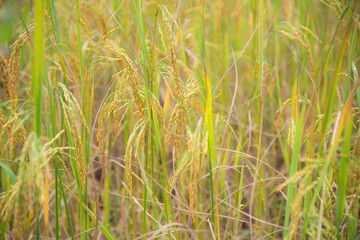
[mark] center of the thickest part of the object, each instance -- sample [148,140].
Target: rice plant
[181,119]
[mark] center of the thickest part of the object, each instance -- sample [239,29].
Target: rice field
[179,119]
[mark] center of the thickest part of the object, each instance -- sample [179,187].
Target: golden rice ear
[119,99]
[287,10]
[113,107]
[334,5]
[72,112]
[6,77]
[300,33]
[104,115]
[169,20]
[3,69]
[2,122]
[134,139]
[192,155]
[15,56]
[192,85]
[297,210]
[9,68]
[178,120]
[100,20]
[100,137]
[129,76]
[12,130]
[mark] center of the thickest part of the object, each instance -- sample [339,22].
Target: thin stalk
[38,75]
[209,128]
[295,156]
[240,194]
[38,66]
[52,134]
[351,58]
[343,172]
[148,140]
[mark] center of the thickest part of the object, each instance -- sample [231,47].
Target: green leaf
[9,172]
[356,75]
